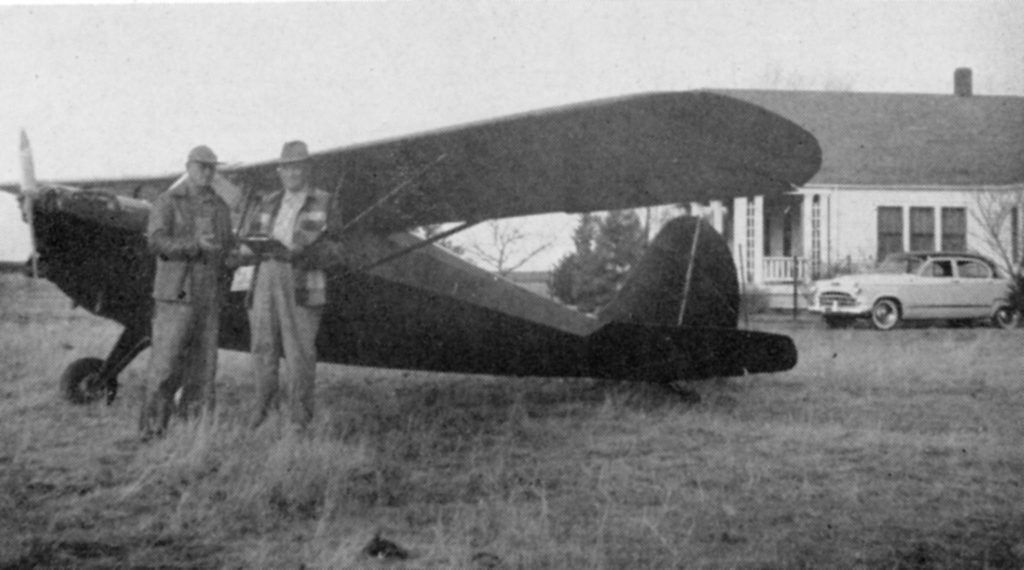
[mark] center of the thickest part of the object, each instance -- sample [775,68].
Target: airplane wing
[634,151]
[627,152]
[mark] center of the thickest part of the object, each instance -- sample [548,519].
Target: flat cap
[203,154]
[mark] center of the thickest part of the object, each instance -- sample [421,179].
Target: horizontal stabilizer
[667,354]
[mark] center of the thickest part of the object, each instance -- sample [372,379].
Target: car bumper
[826,310]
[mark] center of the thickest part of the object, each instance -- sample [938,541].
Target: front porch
[775,243]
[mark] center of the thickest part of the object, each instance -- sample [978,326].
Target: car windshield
[900,264]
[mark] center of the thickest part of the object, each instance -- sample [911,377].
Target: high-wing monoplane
[412,304]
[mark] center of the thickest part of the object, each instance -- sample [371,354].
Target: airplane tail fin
[676,316]
[687,278]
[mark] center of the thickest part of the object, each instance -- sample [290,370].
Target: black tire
[885,315]
[1006,318]
[80,382]
[838,322]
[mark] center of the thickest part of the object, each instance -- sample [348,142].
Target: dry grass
[898,450]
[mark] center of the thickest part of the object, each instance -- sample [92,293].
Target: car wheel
[885,315]
[838,322]
[1006,318]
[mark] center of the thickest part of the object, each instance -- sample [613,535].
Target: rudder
[654,291]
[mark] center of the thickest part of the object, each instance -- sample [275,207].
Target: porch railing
[780,269]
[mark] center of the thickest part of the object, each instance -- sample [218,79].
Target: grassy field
[880,450]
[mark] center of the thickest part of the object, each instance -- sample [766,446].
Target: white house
[899,172]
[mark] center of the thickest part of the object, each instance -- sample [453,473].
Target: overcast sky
[117,89]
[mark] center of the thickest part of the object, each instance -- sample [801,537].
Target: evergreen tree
[607,248]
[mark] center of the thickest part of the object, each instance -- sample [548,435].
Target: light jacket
[172,237]
[311,247]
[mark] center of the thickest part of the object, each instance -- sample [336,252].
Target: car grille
[837,298]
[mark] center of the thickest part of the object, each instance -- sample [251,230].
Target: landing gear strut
[88,379]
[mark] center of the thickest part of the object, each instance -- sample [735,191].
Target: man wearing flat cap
[289,288]
[189,231]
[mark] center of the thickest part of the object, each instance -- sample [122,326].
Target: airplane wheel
[80,382]
[885,315]
[1006,318]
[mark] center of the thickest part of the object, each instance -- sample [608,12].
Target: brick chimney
[962,82]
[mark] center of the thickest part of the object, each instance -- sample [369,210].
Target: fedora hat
[294,151]
[203,154]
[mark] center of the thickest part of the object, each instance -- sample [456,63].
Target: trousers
[281,327]
[183,356]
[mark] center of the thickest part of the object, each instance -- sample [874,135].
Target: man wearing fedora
[289,286]
[189,231]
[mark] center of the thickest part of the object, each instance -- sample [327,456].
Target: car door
[977,287]
[931,293]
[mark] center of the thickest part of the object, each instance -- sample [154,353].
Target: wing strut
[407,250]
[394,192]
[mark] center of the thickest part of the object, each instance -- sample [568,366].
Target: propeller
[29,191]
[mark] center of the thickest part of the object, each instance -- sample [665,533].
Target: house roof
[906,139]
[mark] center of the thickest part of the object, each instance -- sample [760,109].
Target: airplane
[411,304]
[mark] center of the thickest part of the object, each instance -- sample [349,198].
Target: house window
[922,229]
[890,231]
[954,229]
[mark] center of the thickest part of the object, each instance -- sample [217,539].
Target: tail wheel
[1006,317]
[80,383]
[885,315]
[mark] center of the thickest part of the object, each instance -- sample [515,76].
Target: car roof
[931,254]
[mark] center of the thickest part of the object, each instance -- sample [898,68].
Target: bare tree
[504,246]
[996,212]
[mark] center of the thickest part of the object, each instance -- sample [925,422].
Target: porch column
[717,215]
[756,213]
[806,233]
[740,253]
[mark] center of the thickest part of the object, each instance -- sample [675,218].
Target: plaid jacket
[308,234]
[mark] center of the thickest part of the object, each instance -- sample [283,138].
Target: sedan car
[918,286]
